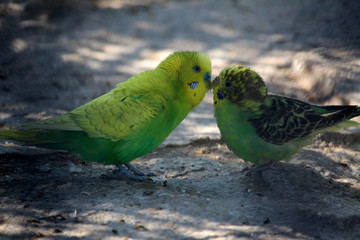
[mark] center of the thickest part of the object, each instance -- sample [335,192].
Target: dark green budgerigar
[130,120]
[261,128]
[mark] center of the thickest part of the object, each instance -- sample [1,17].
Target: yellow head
[192,71]
[239,85]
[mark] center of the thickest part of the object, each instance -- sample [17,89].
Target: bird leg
[260,168]
[137,171]
[127,173]
[133,173]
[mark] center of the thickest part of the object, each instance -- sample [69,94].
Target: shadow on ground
[47,195]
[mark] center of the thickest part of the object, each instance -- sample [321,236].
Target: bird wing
[118,113]
[284,119]
[125,109]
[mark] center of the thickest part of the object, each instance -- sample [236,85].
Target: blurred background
[57,55]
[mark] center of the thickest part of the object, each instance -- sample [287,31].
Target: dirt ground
[57,55]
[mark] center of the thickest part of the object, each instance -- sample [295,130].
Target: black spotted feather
[284,119]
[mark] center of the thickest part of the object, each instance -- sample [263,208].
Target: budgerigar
[130,120]
[262,128]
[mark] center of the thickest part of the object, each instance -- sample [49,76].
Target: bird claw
[259,169]
[135,174]
[137,171]
[127,174]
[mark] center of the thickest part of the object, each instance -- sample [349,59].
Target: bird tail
[91,149]
[351,123]
[51,130]
[340,115]
[348,112]
[356,113]
[18,135]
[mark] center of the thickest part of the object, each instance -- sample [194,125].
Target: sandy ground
[56,56]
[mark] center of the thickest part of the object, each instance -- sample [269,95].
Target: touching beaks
[215,82]
[207,80]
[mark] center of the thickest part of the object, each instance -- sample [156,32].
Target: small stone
[148,193]
[140,226]
[164,183]
[74,169]
[64,186]
[45,168]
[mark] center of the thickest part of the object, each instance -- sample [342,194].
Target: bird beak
[207,80]
[215,83]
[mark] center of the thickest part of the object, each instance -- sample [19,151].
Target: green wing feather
[284,119]
[116,114]
[112,116]
[63,122]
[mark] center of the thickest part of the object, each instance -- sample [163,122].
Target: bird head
[239,85]
[192,71]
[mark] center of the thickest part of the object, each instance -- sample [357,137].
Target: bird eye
[228,84]
[196,68]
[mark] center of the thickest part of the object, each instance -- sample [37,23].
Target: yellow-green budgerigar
[262,128]
[130,120]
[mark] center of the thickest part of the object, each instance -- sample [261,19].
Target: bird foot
[133,173]
[137,171]
[260,168]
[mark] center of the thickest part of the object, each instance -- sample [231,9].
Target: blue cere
[207,76]
[193,85]
[219,95]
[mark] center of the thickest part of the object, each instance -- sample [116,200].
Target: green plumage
[260,127]
[129,121]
